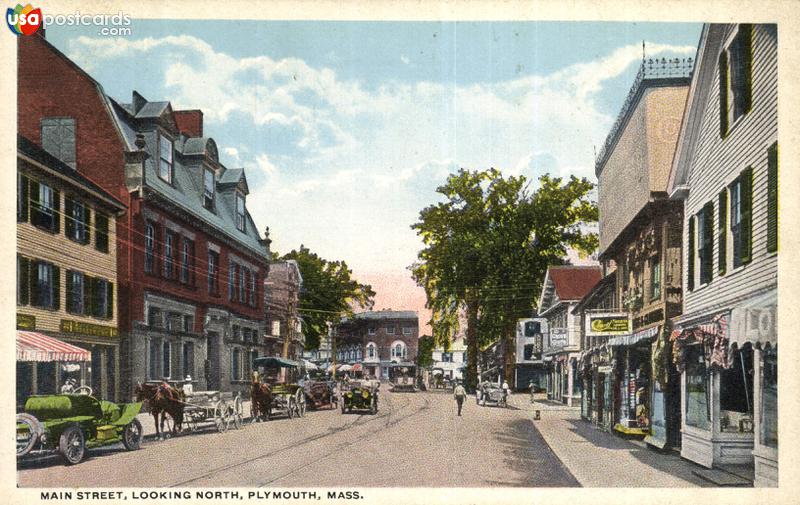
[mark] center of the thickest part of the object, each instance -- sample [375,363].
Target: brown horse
[162,399]
[260,400]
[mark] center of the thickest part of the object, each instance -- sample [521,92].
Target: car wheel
[72,444]
[132,435]
[483,401]
[27,441]
[344,409]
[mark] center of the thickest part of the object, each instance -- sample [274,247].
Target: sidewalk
[600,459]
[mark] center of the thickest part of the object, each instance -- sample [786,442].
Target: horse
[260,399]
[162,399]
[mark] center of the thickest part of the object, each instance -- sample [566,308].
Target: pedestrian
[532,387]
[459,393]
[506,392]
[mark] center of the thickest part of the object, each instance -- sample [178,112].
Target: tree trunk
[472,342]
[509,353]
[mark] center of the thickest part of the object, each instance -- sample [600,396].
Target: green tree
[329,293]
[425,351]
[487,248]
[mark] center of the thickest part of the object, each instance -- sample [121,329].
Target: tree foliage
[329,292]
[425,351]
[487,246]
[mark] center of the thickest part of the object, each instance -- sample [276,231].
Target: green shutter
[24,280]
[109,300]
[70,297]
[69,221]
[772,198]
[746,32]
[56,288]
[87,220]
[56,211]
[722,229]
[747,215]
[723,93]
[88,300]
[34,283]
[24,197]
[708,243]
[690,257]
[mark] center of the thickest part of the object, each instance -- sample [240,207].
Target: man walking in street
[459,393]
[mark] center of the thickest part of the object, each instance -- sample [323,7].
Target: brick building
[190,262]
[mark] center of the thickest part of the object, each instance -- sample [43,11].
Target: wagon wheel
[190,420]
[290,406]
[300,402]
[167,424]
[132,435]
[27,441]
[72,444]
[221,416]
[237,412]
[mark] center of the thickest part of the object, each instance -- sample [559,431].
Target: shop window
[697,390]
[769,400]
[736,393]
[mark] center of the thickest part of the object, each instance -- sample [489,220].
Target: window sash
[242,281]
[208,188]
[149,247]
[185,262]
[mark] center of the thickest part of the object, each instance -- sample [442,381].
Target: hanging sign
[604,324]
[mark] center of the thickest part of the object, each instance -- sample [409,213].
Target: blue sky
[346,128]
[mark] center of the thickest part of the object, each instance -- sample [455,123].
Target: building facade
[725,175]
[530,341]
[450,362]
[284,331]
[67,285]
[564,286]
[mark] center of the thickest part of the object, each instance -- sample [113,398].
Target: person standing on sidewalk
[459,394]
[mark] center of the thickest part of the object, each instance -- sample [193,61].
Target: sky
[346,129]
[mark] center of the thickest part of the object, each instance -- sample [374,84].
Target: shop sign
[600,325]
[93,330]
[558,337]
[26,322]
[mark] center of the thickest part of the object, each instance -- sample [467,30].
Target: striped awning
[357,367]
[33,346]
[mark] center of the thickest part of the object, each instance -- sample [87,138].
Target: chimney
[190,122]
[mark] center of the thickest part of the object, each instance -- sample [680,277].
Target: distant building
[530,339]
[451,362]
[282,288]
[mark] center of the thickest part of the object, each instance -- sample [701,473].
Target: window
[741,217]
[169,255]
[45,207]
[736,390]
[236,333]
[187,261]
[242,284]
[75,293]
[231,280]
[152,369]
[722,232]
[149,246]
[655,278]
[58,138]
[276,328]
[240,222]
[527,352]
[398,350]
[101,232]
[166,355]
[154,319]
[213,281]
[188,359]
[45,286]
[532,328]
[236,373]
[772,199]
[174,322]
[697,390]
[370,350]
[208,189]
[102,298]
[407,330]
[252,289]
[769,399]
[187,325]
[447,357]
[76,221]
[371,331]
[390,330]
[705,242]
[165,158]
[735,78]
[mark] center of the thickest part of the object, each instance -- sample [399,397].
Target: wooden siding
[717,162]
[56,248]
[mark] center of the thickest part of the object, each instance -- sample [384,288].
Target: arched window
[398,349]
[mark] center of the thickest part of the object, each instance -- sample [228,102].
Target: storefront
[665,417]
[597,397]
[634,382]
[728,363]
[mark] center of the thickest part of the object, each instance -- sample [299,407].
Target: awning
[275,362]
[755,320]
[344,368]
[309,365]
[634,338]
[357,368]
[32,346]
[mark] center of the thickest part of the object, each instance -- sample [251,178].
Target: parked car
[68,424]
[360,395]
[491,393]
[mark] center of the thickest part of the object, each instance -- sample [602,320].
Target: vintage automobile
[360,395]
[320,394]
[490,393]
[70,423]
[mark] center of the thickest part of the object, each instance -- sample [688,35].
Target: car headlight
[365,394]
[349,395]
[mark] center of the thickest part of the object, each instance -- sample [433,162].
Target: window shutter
[56,288]
[24,197]
[88,299]
[56,211]
[772,198]
[723,93]
[69,220]
[690,258]
[747,215]
[34,282]
[34,200]
[747,50]
[109,300]
[70,297]
[708,242]
[87,220]
[722,242]
[24,280]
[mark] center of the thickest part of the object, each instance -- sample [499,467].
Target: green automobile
[70,423]
[360,396]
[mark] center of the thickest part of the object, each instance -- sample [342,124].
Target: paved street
[415,440]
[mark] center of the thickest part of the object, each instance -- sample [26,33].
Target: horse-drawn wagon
[283,395]
[68,424]
[403,377]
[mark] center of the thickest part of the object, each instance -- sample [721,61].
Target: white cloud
[405,59]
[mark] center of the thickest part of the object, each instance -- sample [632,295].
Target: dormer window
[240,212]
[208,189]
[165,158]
